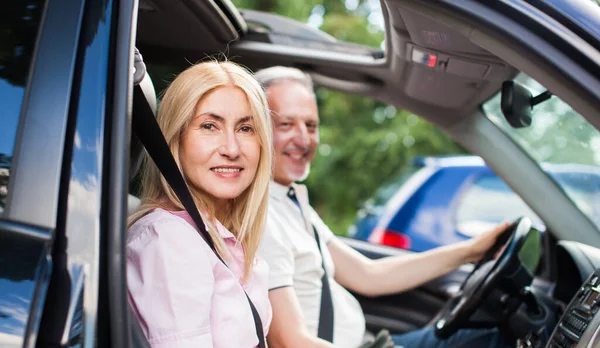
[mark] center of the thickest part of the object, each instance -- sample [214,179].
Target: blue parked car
[443,200]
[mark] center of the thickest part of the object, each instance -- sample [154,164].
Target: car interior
[441,60]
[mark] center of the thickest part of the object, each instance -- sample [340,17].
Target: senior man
[310,269]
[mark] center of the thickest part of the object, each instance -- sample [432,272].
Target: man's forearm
[397,273]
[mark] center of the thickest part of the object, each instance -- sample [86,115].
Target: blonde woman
[214,117]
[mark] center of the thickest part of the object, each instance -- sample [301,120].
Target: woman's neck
[222,207]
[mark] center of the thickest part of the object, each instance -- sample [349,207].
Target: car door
[33,123]
[64,87]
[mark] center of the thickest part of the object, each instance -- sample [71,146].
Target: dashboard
[579,325]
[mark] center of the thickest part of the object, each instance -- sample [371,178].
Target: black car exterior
[64,84]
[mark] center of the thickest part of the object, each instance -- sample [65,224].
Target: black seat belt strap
[147,130]
[325,330]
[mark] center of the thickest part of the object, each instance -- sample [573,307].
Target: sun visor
[444,90]
[183,24]
[430,33]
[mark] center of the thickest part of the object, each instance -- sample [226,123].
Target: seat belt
[146,128]
[325,329]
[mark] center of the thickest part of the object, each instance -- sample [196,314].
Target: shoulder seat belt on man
[325,330]
[147,130]
[326,313]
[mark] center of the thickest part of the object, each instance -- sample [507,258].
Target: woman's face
[220,149]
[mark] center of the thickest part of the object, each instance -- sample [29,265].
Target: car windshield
[564,143]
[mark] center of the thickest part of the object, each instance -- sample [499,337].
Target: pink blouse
[182,294]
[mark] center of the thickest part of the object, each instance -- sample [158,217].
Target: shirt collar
[223,231]
[279,191]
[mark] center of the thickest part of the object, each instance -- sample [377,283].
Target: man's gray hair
[270,76]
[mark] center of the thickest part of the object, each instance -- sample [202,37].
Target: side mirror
[517,102]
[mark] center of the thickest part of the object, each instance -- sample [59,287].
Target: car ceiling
[464,76]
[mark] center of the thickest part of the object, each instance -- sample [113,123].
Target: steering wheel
[482,279]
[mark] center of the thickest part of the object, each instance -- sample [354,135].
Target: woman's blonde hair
[246,215]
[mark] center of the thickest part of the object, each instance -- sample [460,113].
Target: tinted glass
[19,23]
[562,142]
[487,202]
[354,21]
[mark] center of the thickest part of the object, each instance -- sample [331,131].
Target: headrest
[141,79]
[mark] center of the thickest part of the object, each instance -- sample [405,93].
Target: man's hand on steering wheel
[478,246]
[495,252]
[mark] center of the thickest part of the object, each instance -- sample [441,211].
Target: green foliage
[352,28]
[298,10]
[364,143]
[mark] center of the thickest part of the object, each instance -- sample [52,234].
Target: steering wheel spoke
[461,309]
[481,320]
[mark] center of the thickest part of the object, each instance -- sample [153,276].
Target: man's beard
[303,177]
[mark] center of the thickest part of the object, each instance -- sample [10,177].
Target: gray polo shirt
[290,249]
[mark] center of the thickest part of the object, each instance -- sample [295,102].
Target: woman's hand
[479,245]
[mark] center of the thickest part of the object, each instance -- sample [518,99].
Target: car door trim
[25,231]
[35,181]
[115,186]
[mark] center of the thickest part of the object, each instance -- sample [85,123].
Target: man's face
[296,130]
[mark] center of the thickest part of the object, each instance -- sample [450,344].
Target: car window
[562,142]
[350,21]
[487,201]
[364,144]
[19,24]
[584,189]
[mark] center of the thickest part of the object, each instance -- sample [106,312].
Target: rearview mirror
[517,102]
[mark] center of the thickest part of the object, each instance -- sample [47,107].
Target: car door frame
[34,185]
[63,97]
